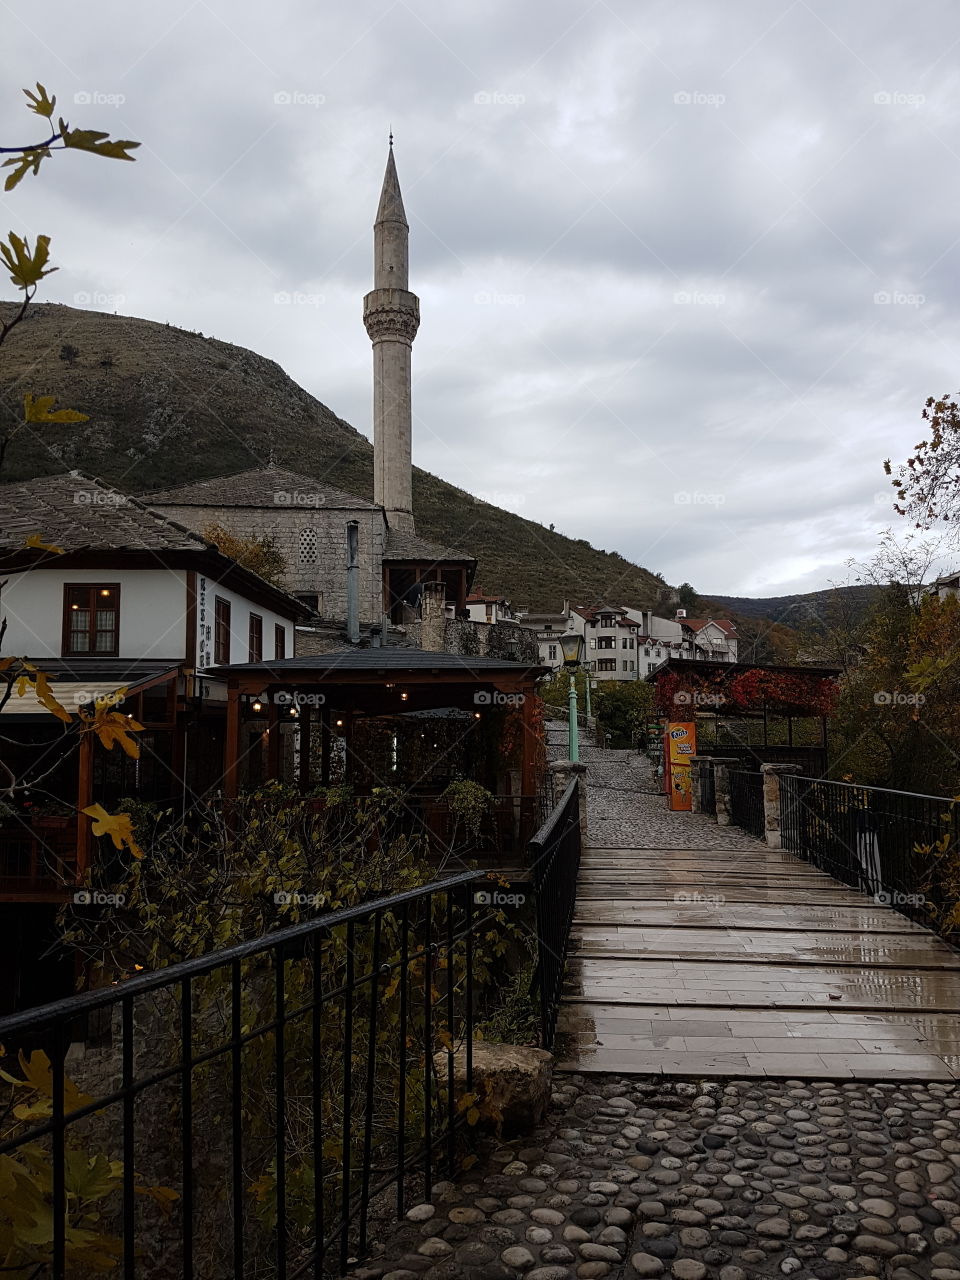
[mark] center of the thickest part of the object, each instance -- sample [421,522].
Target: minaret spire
[391,315]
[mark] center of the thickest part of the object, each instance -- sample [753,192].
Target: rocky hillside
[167,406]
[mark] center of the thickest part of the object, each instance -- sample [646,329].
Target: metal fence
[746,801]
[260,1102]
[555,860]
[868,837]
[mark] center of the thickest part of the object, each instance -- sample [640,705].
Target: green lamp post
[572,647]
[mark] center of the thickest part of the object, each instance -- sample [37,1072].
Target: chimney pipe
[353,573]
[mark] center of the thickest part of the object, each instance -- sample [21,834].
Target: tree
[927,485]
[687,598]
[261,555]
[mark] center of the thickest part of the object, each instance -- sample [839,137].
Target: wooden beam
[306,722]
[231,745]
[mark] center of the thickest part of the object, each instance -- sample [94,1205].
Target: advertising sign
[680,743]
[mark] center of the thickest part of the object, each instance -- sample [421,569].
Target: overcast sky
[687,270]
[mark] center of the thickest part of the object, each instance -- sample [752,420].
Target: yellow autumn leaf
[45,695]
[97,141]
[36,543]
[113,727]
[40,408]
[39,102]
[26,266]
[118,826]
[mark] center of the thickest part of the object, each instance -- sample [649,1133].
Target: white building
[627,644]
[484,608]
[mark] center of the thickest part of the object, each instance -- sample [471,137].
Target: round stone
[879,1208]
[434,1247]
[688,1269]
[421,1212]
[645,1264]
[517,1257]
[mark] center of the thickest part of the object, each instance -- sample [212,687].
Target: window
[632,667]
[607,642]
[279,641]
[551,653]
[91,618]
[309,549]
[593,642]
[489,612]
[659,653]
[606,664]
[255,646]
[646,653]
[221,630]
[312,599]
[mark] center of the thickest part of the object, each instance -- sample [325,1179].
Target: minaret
[391,315]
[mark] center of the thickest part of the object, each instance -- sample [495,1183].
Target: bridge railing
[746,801]
[899,847]
[265,1095]
[555,860]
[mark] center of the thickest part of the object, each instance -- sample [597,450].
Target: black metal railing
[746,801]
[260,1102]
[555,861]
[871,838]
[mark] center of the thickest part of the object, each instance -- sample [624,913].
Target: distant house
[623,643]
[948,585]
[484,608]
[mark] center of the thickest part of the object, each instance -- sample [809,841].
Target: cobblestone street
[695,1179]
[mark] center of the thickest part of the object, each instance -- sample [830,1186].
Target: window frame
[222,622]
[255,637]
[65,650]
[279,642]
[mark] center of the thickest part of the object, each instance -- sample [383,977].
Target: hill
[813,611]
[167,406]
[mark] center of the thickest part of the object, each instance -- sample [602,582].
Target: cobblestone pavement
[636,1177]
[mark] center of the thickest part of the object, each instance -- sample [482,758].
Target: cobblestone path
[697,949]
[636,1177]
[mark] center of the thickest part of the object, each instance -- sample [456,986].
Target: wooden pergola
[327,694]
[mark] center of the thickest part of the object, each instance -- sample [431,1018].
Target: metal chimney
[353,573]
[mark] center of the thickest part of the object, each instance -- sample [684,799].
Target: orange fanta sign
[681,744]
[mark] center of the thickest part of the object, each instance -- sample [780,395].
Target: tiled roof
[697,624]
[408,546]
[271,487]
[81,513]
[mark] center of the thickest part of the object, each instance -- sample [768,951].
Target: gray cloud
[661,250]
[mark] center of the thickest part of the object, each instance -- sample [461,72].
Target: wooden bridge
[697,950]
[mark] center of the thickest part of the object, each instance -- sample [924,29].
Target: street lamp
[572,647]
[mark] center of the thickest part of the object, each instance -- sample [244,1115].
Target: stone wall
[312,541]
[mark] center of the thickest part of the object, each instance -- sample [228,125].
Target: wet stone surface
[642,1176]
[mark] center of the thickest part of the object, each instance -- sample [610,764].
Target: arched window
[309,547]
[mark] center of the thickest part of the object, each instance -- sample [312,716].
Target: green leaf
[39,102]
[22,165]
[97,141]
[27,266]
